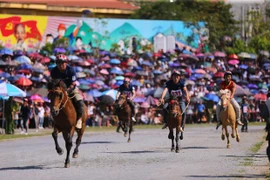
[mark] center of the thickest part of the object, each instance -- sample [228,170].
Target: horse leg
[222,134]
[233,130]
[177,140]
[228,136]
[59,150]
[78,141]
[170,136]
[237,135]
[130,131]
[68,140]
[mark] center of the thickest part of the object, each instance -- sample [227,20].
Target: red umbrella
[130,74]
[24,82]
[45,60]
[232,56]
[35,55]
[219,75]
[260,96]
[24,71]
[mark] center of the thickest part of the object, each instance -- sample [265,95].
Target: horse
[266,116]
[227,116]
[174,120]
[123,111]
[64,118]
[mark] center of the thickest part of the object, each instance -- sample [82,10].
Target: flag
[7,25]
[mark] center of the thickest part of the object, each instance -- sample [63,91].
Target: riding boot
[132,111]
[79,109]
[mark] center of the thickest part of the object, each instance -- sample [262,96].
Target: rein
[61,107]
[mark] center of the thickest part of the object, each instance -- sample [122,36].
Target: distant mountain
[124,31]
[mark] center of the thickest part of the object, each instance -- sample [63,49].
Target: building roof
[110,4]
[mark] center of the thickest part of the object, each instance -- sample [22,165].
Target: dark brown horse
[123,111]
[174,120]
[64,118]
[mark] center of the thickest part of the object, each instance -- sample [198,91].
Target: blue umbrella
[115,61]
[78,69]
[252,86]
[138,68]
[212,97]
[243,66]
[52,57]
[84,82]
[136,83]
[157,72]
[23,59]
[5,75]
[59,50]
[118,83]
[147,63]
[11,90]
[116,71]
[111,93]
[6,51]
[94,93]
[36,79]
[51,66]
[74,57]
[26,66]
[113,55]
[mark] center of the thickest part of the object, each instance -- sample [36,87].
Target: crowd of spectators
[101,72]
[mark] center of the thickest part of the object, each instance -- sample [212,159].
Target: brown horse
[123,111]
[227,116]
[64,118]
[174,120]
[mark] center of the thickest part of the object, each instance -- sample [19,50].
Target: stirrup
[240,123]
[79,124]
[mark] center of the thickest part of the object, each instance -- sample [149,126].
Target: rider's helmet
[175,72]
[227,73]
[61,58]
[126,79]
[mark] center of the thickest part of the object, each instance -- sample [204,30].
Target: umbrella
[6,51]
[45,60]
[117,70]
[145,105]
[146,63]
[243,66]
[157,72]
[253,56]
[88,97]
[252,86]
[212,97]
[94,93]
[232,56]
[73,57]
[18,52]
[132,62]
[104,71]
[23,59]
[119,78]
[244,55]
[111,93]
[135,83]
[4,75]
[233,62]
[139,99]
[26,66]
[264,53]
[129,74]
[105,66]
[200,71]
[260,96]
[240,91]
[219,74]
[59,50]
[107,100]
[24,82]
[7,89]
[115,61]
[106,58]
[39,91]
[219,54]
[152,101]
[35,55]
[36,98]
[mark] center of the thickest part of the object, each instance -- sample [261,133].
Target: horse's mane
[56,83]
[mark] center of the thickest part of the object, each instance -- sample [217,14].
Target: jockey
[129,90]
[177,88]
[229,84]
[66,73]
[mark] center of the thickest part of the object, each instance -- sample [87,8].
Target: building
[73,8]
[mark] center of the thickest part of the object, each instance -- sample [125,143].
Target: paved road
[107,156]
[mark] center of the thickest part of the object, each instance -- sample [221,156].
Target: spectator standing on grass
[25,114]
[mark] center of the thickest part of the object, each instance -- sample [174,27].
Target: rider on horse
[177,88]
[129,90]
[230,85]
[67,74]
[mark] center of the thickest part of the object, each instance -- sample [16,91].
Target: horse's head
[121,100]
[57,94]
[173,105]
[225,98]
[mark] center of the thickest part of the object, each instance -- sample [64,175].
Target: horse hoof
[128,140]
[238,139]
[181,137]
[233,136]
[177,150]
[67,165]
[223,137]
[172,149]
[75,155]
[60,151]
[125,134]
[228,146]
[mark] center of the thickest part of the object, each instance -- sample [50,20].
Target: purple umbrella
[252,86]
[139,99]
[59,50]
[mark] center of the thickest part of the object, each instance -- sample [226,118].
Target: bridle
[60,105]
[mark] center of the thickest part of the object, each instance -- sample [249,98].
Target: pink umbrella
[106,58]
[104,71]
[105,66]
[145,105]
[36,98]
[45,60]
[200,71]
[200,55]
[219,54]
[233,62]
